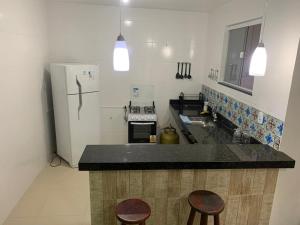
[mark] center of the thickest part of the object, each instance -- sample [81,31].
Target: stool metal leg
[216,220]
[203,219]
[191,217]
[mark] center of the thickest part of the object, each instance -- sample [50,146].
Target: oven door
[140,132]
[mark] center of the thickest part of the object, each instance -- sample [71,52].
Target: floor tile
[22,221]
[63,220]
[30,204]
[58,196]
[65,202]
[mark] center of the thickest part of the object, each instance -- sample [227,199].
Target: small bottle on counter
[205,108]
[237,136]
[246,137]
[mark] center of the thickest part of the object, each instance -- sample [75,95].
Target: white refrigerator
[76,100]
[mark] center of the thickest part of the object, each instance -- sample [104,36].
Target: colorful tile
[241,108]
[253,129]
[240,120]
[271,124]
[254,115]
[245,116]
[234,116]
[269,139]
[230,102]
[246,124]
[229,114]
[260,135]
[279,127]
[265,120]
[248,112]
[225,100]
[221,97]
[220,109]
[236,106]
[277,142]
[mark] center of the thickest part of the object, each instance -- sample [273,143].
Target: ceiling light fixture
[121,55]
[258,63]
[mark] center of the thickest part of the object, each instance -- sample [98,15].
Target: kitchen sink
[204,121]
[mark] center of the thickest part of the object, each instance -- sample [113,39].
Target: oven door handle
[141,124]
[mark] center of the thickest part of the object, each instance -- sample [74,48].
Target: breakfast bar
[163,175]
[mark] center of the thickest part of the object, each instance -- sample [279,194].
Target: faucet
[214,108]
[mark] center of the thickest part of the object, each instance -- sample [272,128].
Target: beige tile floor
[58,196]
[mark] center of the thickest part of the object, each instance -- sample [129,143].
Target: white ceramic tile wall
[86,33]
[24,137]
[270,93]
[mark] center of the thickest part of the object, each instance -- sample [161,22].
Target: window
[241,42]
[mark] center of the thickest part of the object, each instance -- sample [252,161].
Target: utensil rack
[198,96]
[184,71]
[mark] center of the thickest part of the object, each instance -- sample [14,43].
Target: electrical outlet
[242,55]
[260,118]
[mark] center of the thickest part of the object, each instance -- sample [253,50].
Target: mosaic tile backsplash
[244,116]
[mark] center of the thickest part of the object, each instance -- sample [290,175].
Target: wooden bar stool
[208,204]
[133,211]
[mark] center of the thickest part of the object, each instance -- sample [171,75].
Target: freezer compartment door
[84,123]
[82,78]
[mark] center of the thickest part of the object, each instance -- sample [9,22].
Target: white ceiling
[183,5]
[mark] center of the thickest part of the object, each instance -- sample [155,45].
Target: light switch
[260,118]
[136,92]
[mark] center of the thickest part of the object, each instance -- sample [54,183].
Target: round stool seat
[133,211]
[206,202]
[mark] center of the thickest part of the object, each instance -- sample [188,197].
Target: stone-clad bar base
[248,194]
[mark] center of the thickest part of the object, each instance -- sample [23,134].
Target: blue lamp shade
[258,62]
[121,55]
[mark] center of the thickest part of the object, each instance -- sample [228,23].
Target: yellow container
[169,136]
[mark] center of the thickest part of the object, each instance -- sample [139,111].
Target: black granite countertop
[211,149]
[220,133]
[198,156]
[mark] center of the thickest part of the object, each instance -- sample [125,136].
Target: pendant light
[121,55]
[258,63]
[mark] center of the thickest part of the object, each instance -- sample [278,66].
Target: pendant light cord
[264,20]
[120,17]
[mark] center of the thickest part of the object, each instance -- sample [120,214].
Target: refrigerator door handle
[79,96]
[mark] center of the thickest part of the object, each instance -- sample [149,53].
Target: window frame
[228,28]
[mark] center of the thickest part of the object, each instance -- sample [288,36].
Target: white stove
[142,122]
[142,117]
[139,113]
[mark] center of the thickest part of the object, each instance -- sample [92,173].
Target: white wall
[287,196]
[86,33]
[270,93]
[24,126]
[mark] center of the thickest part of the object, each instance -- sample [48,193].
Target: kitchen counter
[213,150]
[164,175]
[245,176]
[210,156]
[221,133]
